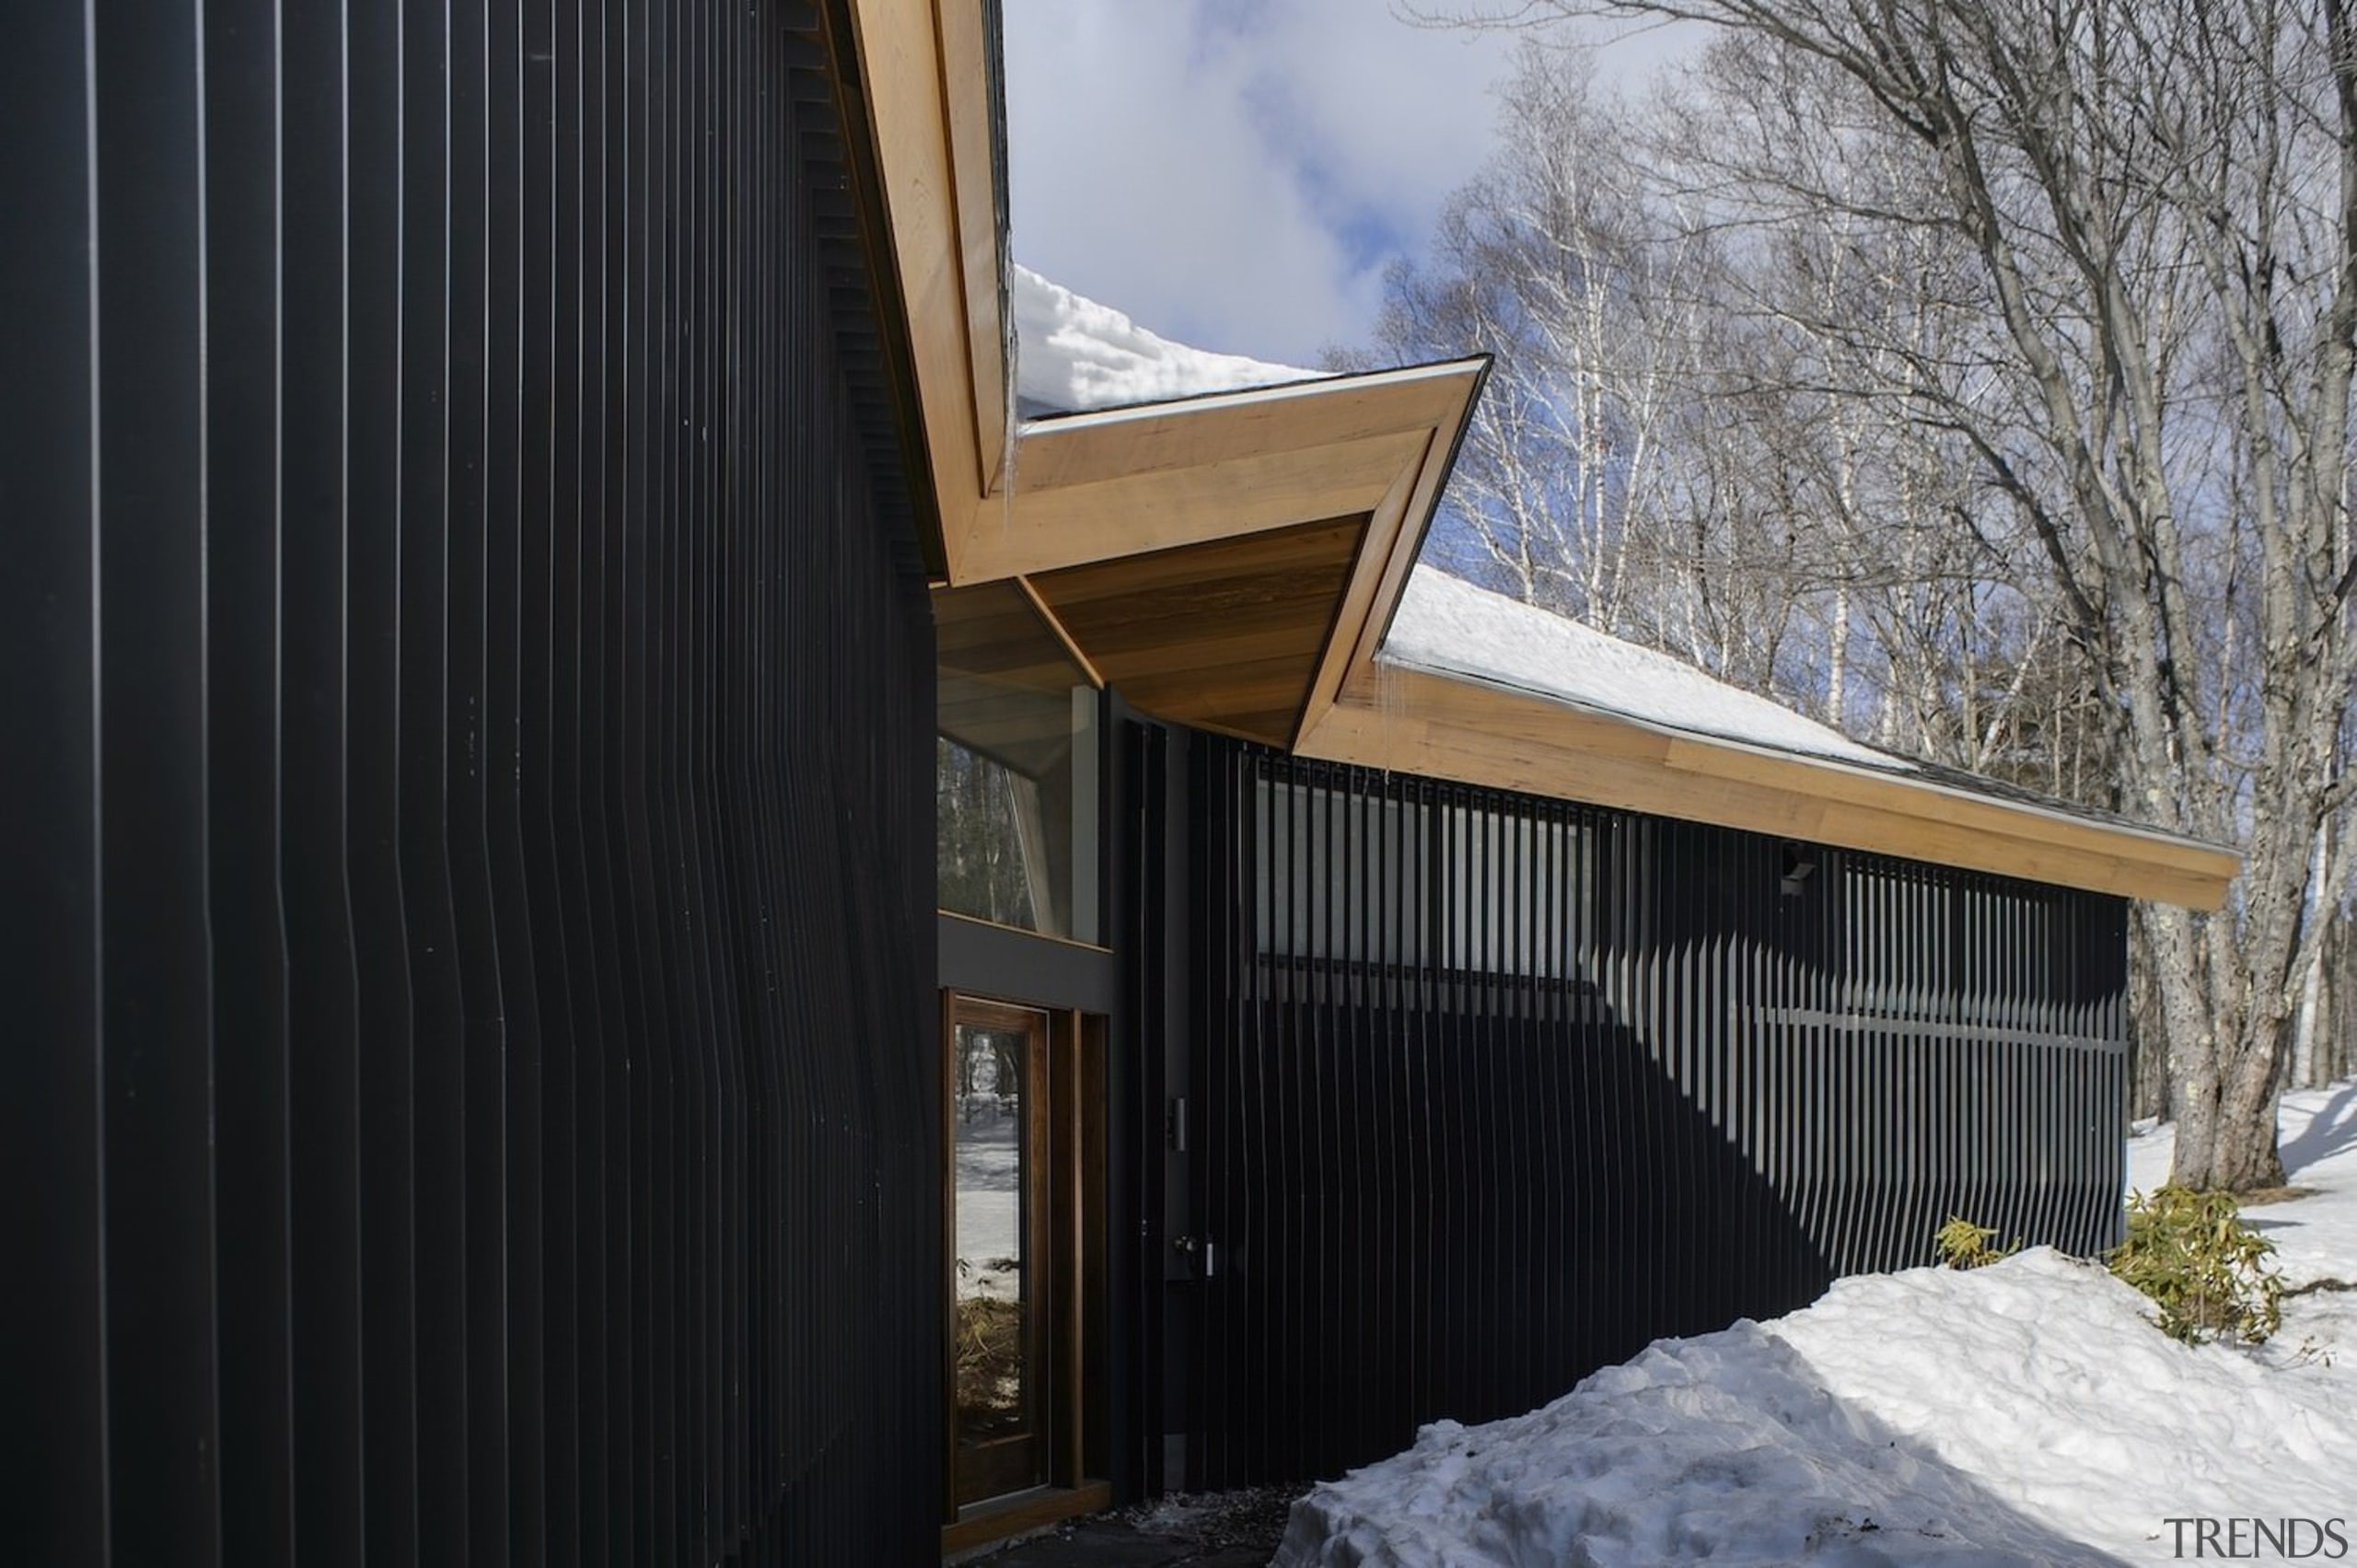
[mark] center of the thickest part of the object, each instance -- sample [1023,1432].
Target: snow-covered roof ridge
[1073,354]
[1450,626]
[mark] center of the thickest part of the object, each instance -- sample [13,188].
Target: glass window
[992,1159]
[1016,763]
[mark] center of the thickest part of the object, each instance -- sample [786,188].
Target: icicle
[1391,706]
[1010,353]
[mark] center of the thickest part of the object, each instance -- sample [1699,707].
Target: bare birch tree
[1556,261]
[2151,325]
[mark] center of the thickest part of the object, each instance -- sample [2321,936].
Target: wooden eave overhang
[1454,726]
[1232,562]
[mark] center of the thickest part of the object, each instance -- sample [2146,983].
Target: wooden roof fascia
[1449,727]
[1361,598]
[1080,448]
[968,55]
[925,69]
[862,183]
[1096,487]
[1832,778]
[1394,540]
[1080,525]
[1844,785]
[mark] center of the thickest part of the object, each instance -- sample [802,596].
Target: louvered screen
[1495,1089]
[471,1082]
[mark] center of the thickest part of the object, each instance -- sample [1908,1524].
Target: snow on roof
[1447,626]
[1073,354]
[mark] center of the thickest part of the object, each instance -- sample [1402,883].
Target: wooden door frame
[1064,1118]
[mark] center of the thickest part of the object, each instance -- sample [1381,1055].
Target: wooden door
[1002,1274]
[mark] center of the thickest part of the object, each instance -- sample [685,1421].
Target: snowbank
[1074,354]
[1446,624]
[2315,1237]
[2025,1412]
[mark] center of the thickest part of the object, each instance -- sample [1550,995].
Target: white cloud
[1235,173]
[1205,167]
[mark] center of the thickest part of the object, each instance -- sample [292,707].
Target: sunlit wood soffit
[1223,636]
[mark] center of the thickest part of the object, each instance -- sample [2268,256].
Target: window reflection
[1015,767]
[992,1158]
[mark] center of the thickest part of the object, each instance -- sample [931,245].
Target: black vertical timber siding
[1493,1090]
[468,899]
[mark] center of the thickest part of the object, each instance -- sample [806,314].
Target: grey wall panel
[469,702]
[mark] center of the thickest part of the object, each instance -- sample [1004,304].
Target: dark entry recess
[468,689]
[1488,1091]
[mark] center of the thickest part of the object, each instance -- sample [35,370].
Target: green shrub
[1960,1243]
[2204,1268]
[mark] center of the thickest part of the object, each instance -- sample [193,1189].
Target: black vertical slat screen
[468,689]
[53,1385]
[1496,1089]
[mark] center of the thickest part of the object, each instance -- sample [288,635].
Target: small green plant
[2207,1271]
[1960,1243]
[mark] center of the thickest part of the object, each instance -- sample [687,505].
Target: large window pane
[1015,767]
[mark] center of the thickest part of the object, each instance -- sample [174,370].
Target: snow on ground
[1073,354]
[2315,1235]
[990,1209]
[2027,1413]
[1451,626]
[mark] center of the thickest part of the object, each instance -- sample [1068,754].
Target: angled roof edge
[1477,732]
[1834,747]
[1096,487]
[925,70]
[1120,483]
[1973,789]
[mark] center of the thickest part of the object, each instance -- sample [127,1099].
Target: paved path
[1110,1544]
[1237,1529]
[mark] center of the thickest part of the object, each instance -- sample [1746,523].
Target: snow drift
[2025,1412]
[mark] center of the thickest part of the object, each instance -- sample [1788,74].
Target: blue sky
[1235,174]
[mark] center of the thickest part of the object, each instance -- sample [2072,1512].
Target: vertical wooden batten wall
[467,682]
[1489,1090]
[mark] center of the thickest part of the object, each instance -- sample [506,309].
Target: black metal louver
[1496,1089]
[468,719]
